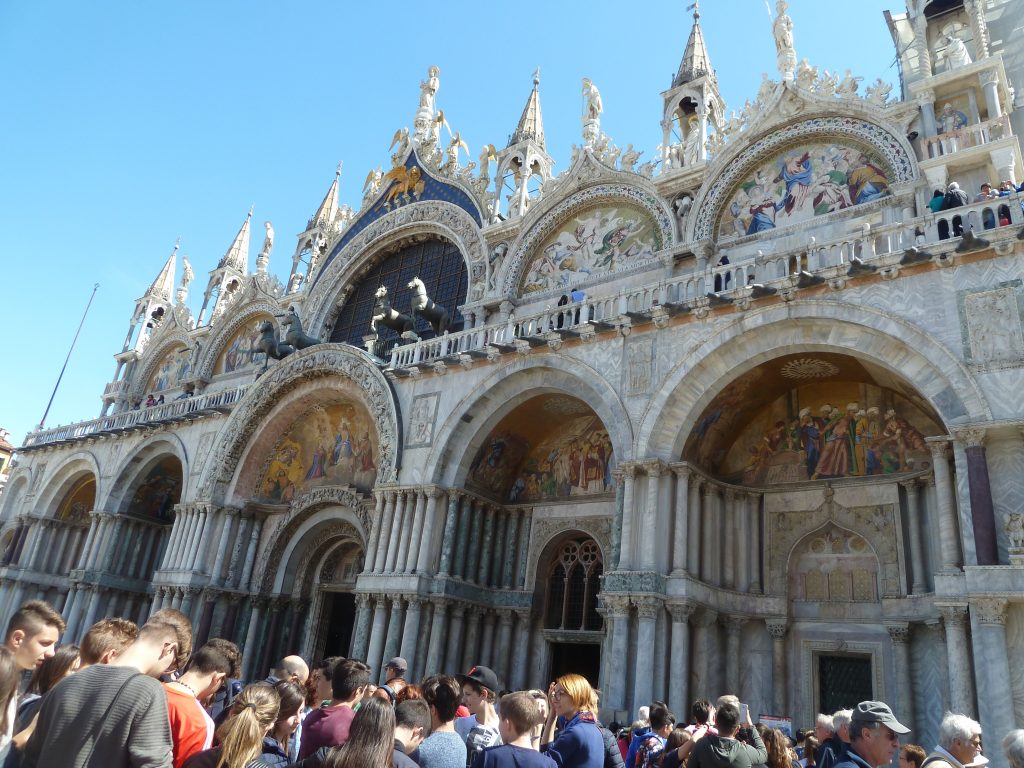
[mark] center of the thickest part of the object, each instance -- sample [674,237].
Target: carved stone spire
[163,286]
[531,124]
[227,277]
[324,216]
[695,62]
[237,256]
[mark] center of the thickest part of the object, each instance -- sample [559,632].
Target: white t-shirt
[477,736]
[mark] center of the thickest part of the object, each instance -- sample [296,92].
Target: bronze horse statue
[423,306]
[270,345]
[295,336]
[386,315]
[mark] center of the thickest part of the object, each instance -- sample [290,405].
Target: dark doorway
[581,658]
[843,682]
[340,608]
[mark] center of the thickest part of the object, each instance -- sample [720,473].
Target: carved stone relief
[422,419]
[639,368]
[993,326]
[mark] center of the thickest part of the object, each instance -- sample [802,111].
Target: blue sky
[127,125]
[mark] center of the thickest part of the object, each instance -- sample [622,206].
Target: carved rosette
[898,633]
[777,628]
[990,610]
[320,361]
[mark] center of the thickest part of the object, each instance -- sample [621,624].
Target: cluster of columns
[439,634]
[63,545]
[714,529]
[403,540]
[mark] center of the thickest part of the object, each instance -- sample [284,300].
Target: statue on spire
[782,29]
[592,109]
[263,260]
[425,113]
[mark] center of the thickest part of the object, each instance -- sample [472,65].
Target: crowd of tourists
[143,697]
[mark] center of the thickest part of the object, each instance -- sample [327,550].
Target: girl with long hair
[253,713]
[777,745]
[10,677]
[277,744]
[64,661]
[579,744]
[371,738]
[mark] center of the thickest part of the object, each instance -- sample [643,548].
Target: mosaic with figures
[595,241]
[174,368]
[802,182]
[552,447]
[332,444]
[804,419]
[242,352]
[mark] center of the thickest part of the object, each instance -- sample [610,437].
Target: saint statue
[782,29]
[592,109]
[268,241]
[957,55]
[425,112]
[692,147]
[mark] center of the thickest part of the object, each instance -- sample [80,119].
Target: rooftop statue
[425,112]
[271,345]
[782,29]
[592,109]
[296,337]
[386,315]
[956,53]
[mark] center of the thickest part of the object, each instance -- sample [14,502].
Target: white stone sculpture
[691,150]
[425,111]
[592,109]
[1015,530]
[630,158]
[956,53]
[782,29]
[878,92]
[268,240]
[682,208]
[847,87]
[806,75]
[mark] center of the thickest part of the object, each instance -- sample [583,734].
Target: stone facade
[684,408]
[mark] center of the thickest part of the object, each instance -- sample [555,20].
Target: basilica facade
[743,418]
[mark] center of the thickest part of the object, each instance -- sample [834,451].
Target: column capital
[731,494]
[990,610]
[705,617]
[733,624]
[973,437]
[415,602]
[458,610]
[432,492]
[899,633]
[613,605]
[681,471]
[628,470]
[911,486]
[777,628]
[939,447]
[646,607]
[681,611]
[654,467]
[953,614]
[523,614]
[362,600]
[505,618]
[617,473]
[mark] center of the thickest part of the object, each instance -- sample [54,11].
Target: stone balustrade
[969,136]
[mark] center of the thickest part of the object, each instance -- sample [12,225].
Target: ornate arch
[135,462]
[611,191]
[547,533]
[225,331]
[734,166]
[322,360]
[304,519]
[155,355]
[812,325]
[472,419]
[14,493]
[59,479]
[431,217]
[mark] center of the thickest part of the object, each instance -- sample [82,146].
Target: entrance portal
[581,658]
[340,616]
[843,681]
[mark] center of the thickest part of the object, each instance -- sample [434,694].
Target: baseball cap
[398,664]
[877,712]
[482,676]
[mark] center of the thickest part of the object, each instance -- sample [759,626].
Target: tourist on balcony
[938,198]
[955,197]
[150,400]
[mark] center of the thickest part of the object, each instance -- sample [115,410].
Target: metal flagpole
[46,413]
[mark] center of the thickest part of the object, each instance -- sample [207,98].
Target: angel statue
[451,163]
[401,140]
[956,53]
[487,154]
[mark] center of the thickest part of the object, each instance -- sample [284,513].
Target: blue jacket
[579,745]
[634,745]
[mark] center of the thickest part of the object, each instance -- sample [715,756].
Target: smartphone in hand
[744,714]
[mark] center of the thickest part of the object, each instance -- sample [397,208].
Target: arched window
[438,263]
[572,587]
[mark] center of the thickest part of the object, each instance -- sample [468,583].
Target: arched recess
[736,164]
[833,564]
[568,582]
[602,204]
[58,481]
[226,331]
[167,364]
[475,417]
[890,343]
[138,464]
[430,218]
[14,494]
[279,398]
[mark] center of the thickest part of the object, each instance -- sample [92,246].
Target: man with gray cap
[874,736]
[394,676]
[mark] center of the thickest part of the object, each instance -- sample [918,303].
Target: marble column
[465,521]
[743,547]
[250,553]
[679,524]
[709,556]
[499,558]
[399,531]
[995,708]
[255,629]
[205,620]
[273,635]
[228,527]
[647,531]
[425,542]
[378,629]
[523,547]
[472,644]
[915,514]
[947,529]
[448,539]
[453,657]
[733,631]
[693,531]
[616,532]
[628,513]
[487,640]
[754,512]
[486,555]
[411,633]
[386,529]
[361,633]
[479,511]
[646,617]
[438,634]
[730,552]
[520,653]
[508,573]
[899,633]
[705,649]
[504,646]
[90,537]
[777,628]
[373,535]
[394,635]
[983,518]
[679,669]
[413,529]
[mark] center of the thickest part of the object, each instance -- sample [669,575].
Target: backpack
[648,755]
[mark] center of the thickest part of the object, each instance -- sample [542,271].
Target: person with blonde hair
[579,744]
[253,713]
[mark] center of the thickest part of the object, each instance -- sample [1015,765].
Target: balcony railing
[175,409]
[967,137]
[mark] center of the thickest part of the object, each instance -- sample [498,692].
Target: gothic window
[572,586]
[441,267]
